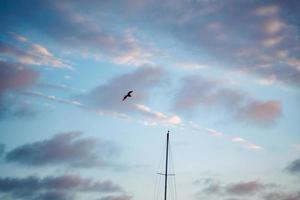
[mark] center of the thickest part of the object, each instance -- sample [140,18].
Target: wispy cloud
[116,197]
[191,65]
[29,53]
[137,55]
[219,134]
[153,117]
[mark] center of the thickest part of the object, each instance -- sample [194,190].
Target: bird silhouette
[127,95]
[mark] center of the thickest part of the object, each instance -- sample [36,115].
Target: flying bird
[127,95]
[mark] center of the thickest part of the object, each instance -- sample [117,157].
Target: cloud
[14,78]
[54,86]
[211,29]
[54,98]
[214,187]
[296,147]
[216,133]
[273,26]
[53,195]
[76,31]
[137,55]
[68,149]
[109,95]
[55,187]
[196,91]
[76,103]
[158,117]
[280,195]
[142,81]
[262,111]
[106,99]
[24,110]
[267,10]
[2,150]
[244,188]
[246,143]
[119,197]
[237,190]
[29,53]
[200,25]
[271,41]
[191,66]
[294,167]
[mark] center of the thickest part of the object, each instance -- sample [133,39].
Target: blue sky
[222,76]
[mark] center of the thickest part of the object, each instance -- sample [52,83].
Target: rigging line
[156,188]
[171,171]
[156,180]
[173,168]
[160,178]
[170,190]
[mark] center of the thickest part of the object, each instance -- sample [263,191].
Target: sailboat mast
[166,170]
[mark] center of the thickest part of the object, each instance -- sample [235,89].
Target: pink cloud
[262,112]
[14,76]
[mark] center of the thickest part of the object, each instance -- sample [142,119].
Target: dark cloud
[237,190]
[209,187]
[204,181]
[294,167]
[2,149]
[54,187]
[279,195]
[214,188]
[64,149]
[245,188]
[24,111]
[198,91]
[53,195]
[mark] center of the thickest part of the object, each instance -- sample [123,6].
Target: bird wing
[130,92]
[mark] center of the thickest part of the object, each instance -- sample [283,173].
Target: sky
[223,76]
